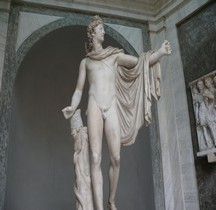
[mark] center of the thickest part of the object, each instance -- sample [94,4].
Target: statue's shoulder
[114,50]
[83,61]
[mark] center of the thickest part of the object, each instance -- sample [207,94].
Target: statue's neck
[97,47]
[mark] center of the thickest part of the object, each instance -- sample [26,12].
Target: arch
[68,21]
[13,62]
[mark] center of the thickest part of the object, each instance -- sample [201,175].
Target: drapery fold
[134,88]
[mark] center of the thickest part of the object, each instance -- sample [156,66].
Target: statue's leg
[112,130]
[95,132]
[207,136]
[212,129]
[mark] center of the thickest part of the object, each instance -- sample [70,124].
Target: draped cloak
[134,88]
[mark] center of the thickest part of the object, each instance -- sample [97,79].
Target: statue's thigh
[95,126]
[112,131]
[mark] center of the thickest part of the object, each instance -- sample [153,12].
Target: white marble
[131,34]
[122,87]
[211,157]
[29,23]
[206,152]
[203,91]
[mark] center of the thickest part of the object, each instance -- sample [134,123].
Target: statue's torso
[101,77]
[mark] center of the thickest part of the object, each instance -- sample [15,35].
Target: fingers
[68,112]
[168,47]
[166,43]
[68,108]
[169,50]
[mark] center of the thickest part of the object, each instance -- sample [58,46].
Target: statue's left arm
[164,50]
[129,61]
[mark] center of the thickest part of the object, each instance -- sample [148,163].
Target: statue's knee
[96,160]
[116,160]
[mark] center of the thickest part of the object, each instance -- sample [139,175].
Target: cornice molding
[5,5]
[114,9]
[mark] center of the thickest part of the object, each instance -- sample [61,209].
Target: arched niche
[40,147]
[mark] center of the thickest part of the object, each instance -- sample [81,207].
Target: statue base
[210,153]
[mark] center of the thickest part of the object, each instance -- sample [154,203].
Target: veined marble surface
[176,144]
[4,16]
[3,36]
[197,42]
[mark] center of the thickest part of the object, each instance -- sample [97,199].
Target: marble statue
[210,101]
[197,100]
[119,103]
[203,114]
[204,103]
[209,93]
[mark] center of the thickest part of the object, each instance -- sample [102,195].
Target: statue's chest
[100,67]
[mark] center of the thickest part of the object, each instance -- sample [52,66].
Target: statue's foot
[111,206]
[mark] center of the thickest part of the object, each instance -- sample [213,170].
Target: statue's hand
[166,48]
[68,112]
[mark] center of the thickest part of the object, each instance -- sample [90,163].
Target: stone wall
[4,18]
[179,173]
[198,50]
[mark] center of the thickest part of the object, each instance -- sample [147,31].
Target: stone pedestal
[82,186]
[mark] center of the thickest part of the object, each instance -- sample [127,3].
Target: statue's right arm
[76,98]
[208,94]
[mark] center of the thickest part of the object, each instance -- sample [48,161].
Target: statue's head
[96,20]
[208,82]
[200,85]
[194,89]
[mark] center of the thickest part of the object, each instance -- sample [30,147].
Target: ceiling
[143,7]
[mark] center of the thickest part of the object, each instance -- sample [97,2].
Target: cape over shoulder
[104,53]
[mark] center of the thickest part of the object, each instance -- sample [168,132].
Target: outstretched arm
[76,98]
[164,50]
[129,61]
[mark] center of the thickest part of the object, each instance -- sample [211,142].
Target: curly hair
[96,20]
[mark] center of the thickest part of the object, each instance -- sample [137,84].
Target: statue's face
[194,90]
[200,85]
[208,82]
[99,33]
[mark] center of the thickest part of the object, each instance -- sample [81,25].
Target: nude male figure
[102,113]
[205,117]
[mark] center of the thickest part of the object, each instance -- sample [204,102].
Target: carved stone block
[203,92]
